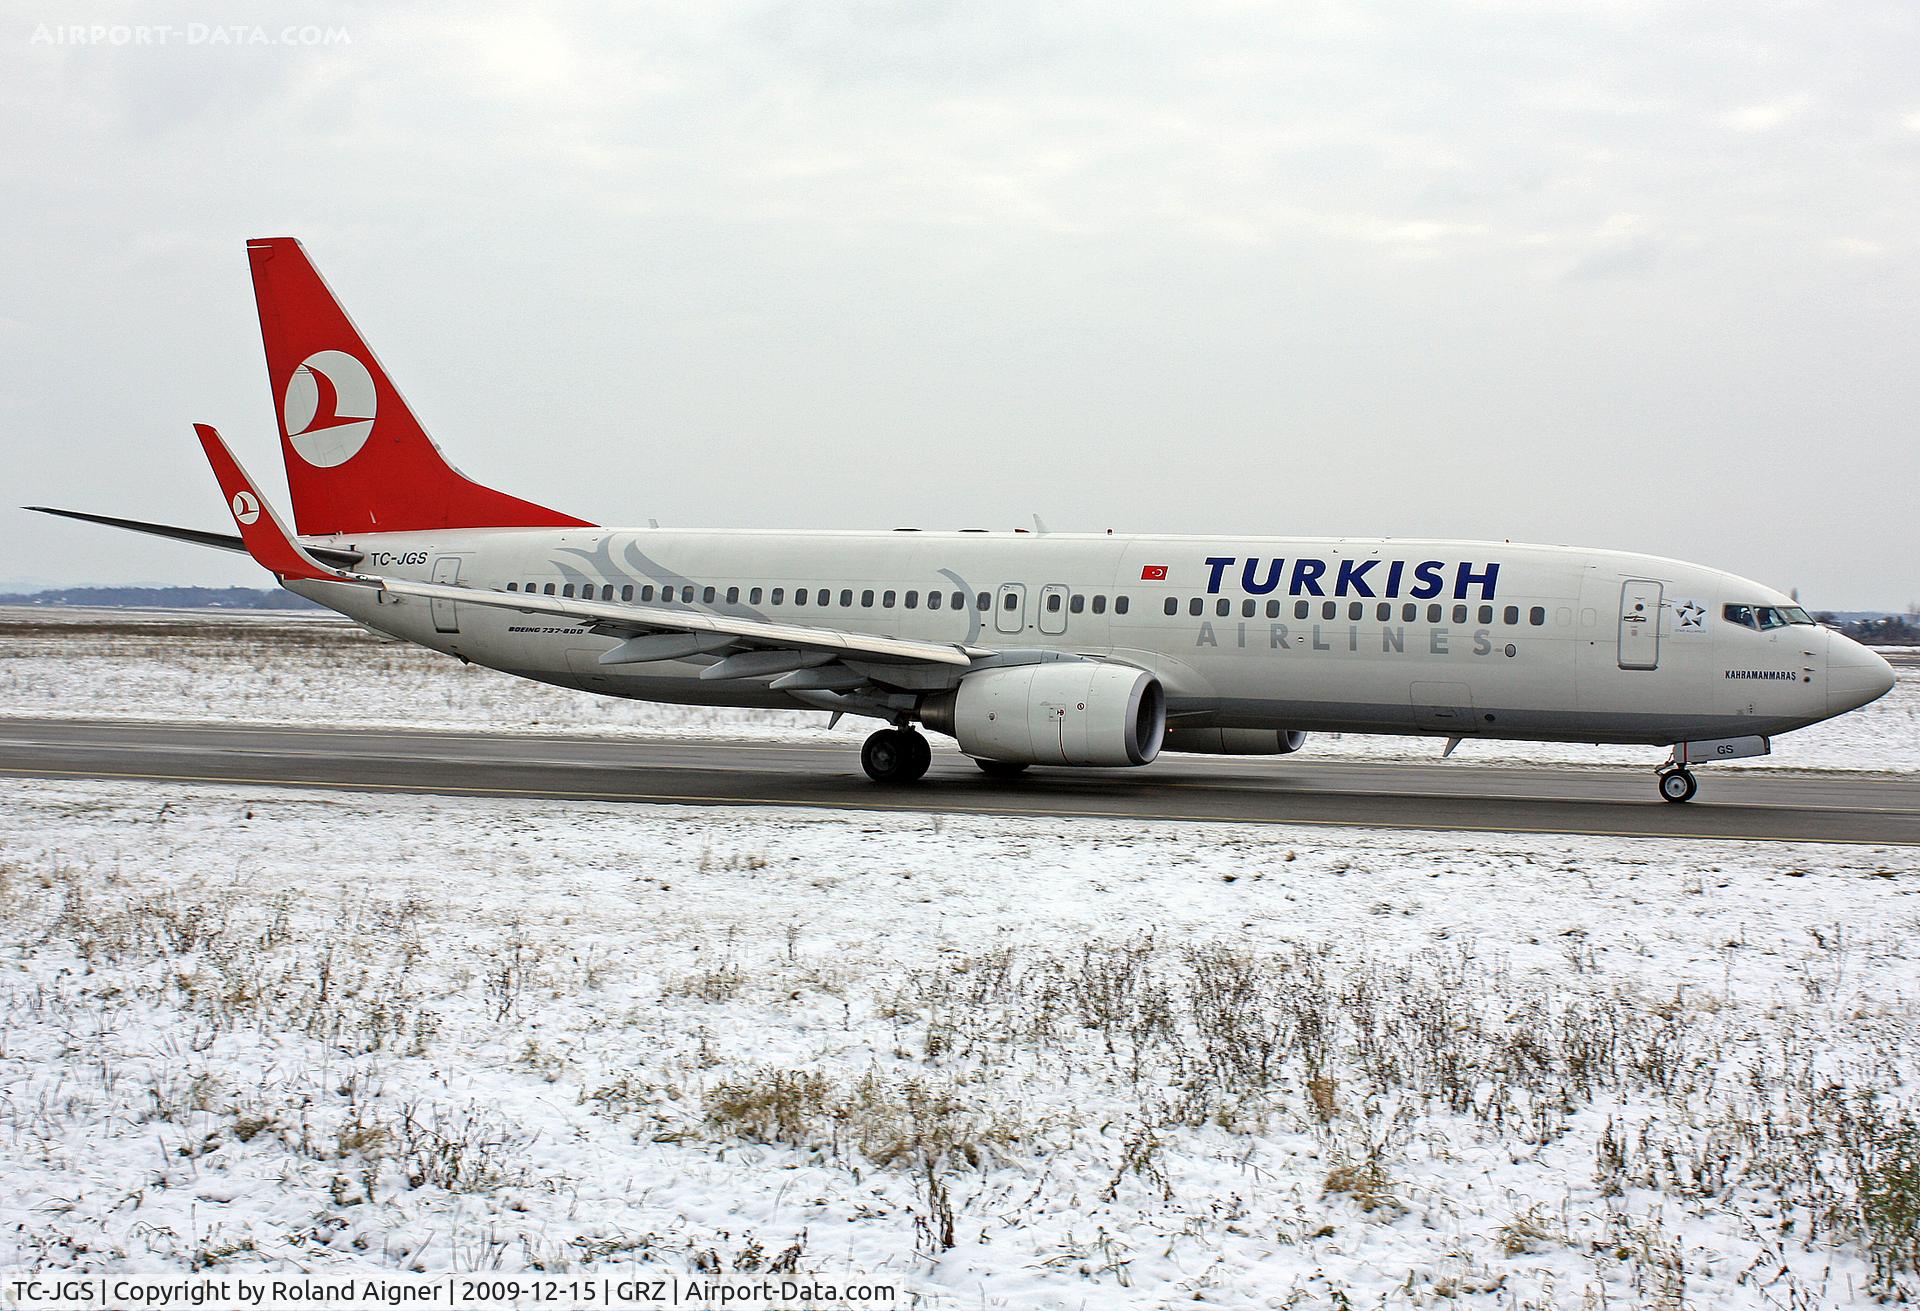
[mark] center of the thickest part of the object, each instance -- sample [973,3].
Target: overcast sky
[1624,274]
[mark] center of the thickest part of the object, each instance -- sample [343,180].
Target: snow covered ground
[1013,1064]
[310,668]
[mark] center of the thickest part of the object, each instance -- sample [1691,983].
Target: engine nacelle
[1234,741]
[1069,712]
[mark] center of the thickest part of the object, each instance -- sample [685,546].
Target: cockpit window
[1763,617]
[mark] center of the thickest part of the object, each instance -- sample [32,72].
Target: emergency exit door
[446,618]
[1640,624]
[1010,609]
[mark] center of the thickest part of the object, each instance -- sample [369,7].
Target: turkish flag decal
[1153,573]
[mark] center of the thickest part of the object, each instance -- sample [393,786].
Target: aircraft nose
[1855,675]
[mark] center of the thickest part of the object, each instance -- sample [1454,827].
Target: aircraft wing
[649,632]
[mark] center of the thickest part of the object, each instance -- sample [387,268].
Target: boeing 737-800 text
[1028,648]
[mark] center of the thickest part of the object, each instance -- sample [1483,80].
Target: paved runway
[1288,790]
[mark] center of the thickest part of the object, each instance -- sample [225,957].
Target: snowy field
[320,669]
[1013,1064]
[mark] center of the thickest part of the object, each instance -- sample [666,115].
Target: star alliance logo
[1691,617]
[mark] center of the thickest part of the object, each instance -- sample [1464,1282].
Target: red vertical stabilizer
[357,459]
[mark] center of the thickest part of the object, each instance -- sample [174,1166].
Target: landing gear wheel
[999,768]
[1678,785]
[922,754]
[895,755]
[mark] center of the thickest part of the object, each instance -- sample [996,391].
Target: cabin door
[1640,624]
[446,617]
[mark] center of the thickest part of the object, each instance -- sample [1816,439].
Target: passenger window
[626,591]
[1223,607]
[753,597]
[1012,602]
[1053,603]
[1196,606]
[549,589]
[1383,612]
[1328,609]
[567,590]
[823,597]
[866,599]
[733,596]
[1301,609]
[1356,609]
[1409,613]
[686,594]
[1537,616]
[706,595]
[1173,605]
[799,596]
[1433,613]
[1119,605]
[1273,609]
[646,593]
[1077,604]
[959,601]
[513,587]
[1247,608]
[1099,605]
[887,600]
[985,602]
[846,597]
[779,596]
[1486,614]
[1511,616]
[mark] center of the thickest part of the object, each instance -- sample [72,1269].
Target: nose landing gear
[1678,785]
[896,755]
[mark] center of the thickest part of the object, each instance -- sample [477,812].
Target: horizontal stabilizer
[197,536]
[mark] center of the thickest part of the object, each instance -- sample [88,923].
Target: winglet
[266,538]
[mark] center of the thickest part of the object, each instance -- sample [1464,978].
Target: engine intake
[1080,712]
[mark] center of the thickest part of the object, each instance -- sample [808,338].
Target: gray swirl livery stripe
[638,565]
[973,611]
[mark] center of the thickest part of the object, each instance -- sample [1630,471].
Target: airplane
[1028,648]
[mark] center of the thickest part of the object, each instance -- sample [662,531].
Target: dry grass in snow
[1014,1064]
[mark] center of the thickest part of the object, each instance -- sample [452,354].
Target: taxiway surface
[1734,804]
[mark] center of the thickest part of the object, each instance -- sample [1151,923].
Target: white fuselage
[1344,634]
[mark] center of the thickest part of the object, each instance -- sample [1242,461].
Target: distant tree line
[167,598]
[1877,630]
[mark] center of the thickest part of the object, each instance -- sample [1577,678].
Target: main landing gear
[896,755]
[1678,784]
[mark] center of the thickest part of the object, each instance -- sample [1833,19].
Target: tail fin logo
[329,408]
[246,507]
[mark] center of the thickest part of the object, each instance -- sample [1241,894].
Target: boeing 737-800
[1028,648]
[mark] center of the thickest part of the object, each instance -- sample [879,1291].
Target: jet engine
[1234,741]
[1073,712]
